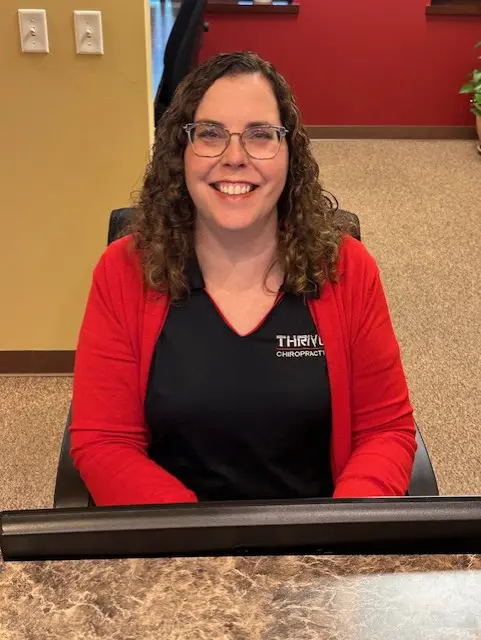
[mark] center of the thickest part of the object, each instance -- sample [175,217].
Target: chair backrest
[119,222]
[120,219]
[70,491]
[180,52]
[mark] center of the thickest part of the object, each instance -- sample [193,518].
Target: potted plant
[473,87]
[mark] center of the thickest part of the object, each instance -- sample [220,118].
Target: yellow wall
[75,135]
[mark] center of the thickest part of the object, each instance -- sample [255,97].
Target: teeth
[235,190]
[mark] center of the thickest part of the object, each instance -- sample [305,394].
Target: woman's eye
[209,133]
[261,134]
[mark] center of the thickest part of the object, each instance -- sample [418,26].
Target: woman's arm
[383,429]
[108,433]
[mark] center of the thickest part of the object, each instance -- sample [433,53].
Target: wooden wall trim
[397,132]
[36,362]
[454,9]
[232,6]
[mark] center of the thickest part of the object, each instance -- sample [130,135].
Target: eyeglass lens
[211,140]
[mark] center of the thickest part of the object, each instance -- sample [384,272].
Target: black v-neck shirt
[241,417]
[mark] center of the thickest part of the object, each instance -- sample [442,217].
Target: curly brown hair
[309,235]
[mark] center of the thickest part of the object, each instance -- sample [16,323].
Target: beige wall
[75,134]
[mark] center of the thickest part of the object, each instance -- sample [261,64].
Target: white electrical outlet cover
[33,30]
[88,32]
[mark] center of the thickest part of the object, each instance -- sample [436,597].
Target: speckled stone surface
[315,598]
[419,205]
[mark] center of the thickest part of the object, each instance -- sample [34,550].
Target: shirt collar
[196,279]
[194,275]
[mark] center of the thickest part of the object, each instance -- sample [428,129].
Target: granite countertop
[244,598]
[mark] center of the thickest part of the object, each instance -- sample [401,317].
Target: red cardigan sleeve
[383,429]
[108,433]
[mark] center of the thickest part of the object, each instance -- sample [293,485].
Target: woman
[237,343]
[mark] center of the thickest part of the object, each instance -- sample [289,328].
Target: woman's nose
[235,153]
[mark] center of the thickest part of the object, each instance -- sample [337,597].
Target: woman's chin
[234,221]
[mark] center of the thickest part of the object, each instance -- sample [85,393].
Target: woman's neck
[237,261]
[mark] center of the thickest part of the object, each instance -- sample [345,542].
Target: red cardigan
[373,432]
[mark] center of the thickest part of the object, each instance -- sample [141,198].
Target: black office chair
[70,490]
[181,52]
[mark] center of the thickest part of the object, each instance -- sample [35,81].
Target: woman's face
[237,102]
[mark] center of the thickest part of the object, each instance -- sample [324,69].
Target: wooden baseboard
[454,9]
[36,362]
[391,132]
[233,6]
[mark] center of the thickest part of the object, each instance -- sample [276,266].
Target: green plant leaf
[476,111]
[467,88]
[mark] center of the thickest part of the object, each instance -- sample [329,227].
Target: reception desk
[257,597]
[239,598]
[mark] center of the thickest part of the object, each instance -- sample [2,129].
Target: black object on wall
[181,51]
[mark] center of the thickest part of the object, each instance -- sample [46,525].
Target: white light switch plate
[33,30]
[88,32]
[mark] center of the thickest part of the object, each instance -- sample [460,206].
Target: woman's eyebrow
[207,121]
[257,123]
[260,123]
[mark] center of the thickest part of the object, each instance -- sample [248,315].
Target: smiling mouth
[237,189]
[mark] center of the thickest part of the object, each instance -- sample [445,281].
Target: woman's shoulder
[355,258]
[121,262]
[122,253]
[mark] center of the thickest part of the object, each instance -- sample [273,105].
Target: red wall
[362,62]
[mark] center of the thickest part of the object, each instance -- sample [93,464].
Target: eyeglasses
[211,140]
